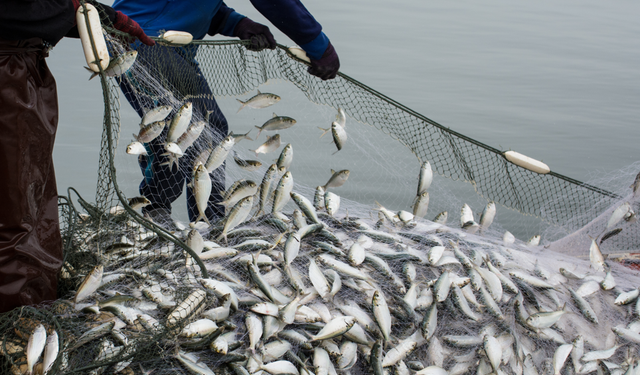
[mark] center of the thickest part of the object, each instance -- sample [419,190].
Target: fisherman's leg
[30,242]
[161,184]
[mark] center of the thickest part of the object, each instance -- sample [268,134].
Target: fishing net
[153,290]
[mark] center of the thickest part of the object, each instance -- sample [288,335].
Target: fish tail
[259,131]
[324,131]
[93,74]
[242,106]
[246,136]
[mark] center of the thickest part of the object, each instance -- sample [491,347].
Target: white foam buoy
[299,53]
[98,38]
[526,162]
[177,37]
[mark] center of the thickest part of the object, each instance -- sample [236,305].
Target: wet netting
[375,267]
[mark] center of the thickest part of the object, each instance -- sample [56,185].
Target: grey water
[557,81]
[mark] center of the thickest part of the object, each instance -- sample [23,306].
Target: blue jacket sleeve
[225,21]
[295,21]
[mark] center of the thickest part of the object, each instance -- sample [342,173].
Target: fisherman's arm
[295,21]
[290,17]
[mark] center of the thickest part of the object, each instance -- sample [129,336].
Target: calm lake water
[557,81]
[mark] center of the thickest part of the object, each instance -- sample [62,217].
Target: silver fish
[283,192]
[155,114]
[332,202]
[381,314]
[238,137]
[618,214]
[119,65]
[247,165]
[136,148]
[260,100]
[318,198]
[248,188]
[35,346]
[180,122]
[272,144]
[488,214]
[337,179]
[202,190]
[596,257]
[219,153]
[187,139]
[425,178]
[90,283]
[237,215]
[276,123]
[150,132]
[286,157]
[421,204]
[51,351]
[265,187]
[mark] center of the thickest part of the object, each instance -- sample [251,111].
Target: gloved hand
[131,27]
[258,34]
[328,65]
[120,21]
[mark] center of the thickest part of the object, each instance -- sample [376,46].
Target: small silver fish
[219,153]
[35,346]
[138,202]
[272,144]
[119,65]
[247,165]
[180,122]
[337,179]
[426,177]
[150,132]
[286,157]
[261,100]
[202,190]
[488,214]
[136,148]
[90,283]
[155,114]
[283,192]
[276,123]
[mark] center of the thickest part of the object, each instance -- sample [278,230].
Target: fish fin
[274,115]
[336,152]
[333,172]
[259,92]
[324,131]
[259,131]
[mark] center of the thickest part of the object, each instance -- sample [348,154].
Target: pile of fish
[309,292]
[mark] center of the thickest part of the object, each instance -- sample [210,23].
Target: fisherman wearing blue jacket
[163,184]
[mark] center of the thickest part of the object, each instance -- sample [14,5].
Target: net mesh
[149,293]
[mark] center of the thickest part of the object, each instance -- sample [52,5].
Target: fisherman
[163,182]
[30,242]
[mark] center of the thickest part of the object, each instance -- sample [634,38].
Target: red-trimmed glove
[258,34]
[131,27]
[328,65]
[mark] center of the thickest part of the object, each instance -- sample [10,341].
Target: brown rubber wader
[30,242]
